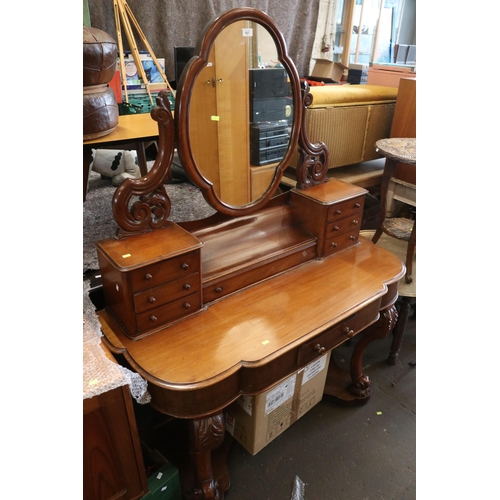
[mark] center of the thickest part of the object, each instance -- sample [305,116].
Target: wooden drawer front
[154,297]
[341,241]
[168,270]
[168,312]
[338,334]
[344,225]
[345,208]
[217,289]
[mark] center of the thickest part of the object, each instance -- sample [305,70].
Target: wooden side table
[397,150]
[132,132]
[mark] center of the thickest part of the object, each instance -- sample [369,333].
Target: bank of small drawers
[166,291]
[343,224]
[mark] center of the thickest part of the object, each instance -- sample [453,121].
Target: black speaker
[270,109]
[268,82]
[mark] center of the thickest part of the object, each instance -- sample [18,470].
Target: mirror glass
[240,113]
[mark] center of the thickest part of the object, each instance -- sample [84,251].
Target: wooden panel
[404,124]
[112,459]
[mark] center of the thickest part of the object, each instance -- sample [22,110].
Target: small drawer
[338,334]
[341,241]
[168,270]
[157,317]
[154,297]
[345,208]
[343,226]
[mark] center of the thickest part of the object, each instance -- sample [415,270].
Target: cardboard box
[323,68]
[254,421]
[389,76]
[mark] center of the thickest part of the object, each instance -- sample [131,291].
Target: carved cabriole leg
[205,435]
[361,385]
[354,387]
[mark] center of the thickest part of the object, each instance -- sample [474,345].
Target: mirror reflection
[241,113]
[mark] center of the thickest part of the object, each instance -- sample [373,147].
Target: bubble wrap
[100,373]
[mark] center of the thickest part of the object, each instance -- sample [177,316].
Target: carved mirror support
[313,158]
[152,208]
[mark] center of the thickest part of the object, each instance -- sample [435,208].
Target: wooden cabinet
[113,467]
[334,212]
[152,279]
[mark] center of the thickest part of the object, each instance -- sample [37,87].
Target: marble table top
[399,149]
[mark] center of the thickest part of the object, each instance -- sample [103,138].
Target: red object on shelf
[116,86]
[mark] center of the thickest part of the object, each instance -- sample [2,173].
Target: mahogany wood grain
[112,459]
[242,343]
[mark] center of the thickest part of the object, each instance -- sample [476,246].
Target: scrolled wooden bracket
[152,208]
[313,158]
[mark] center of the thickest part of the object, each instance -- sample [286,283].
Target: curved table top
[210,358]
[399,149]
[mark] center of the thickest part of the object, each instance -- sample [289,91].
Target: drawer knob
[151,300]
[186,305]
[336,228]
[148,277]
[349,332]
[352,237]
[218,289]
[187,286]
[334,245]
[357,205]
[338,212]
[319,349]
[185,266]
[355,222]
[153,318]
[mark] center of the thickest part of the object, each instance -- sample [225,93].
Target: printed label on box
[313,369]
[283,392]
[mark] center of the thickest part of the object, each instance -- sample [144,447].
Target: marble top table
[398,149]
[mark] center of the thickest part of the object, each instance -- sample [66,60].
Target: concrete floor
[355,453]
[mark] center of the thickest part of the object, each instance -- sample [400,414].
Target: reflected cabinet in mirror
[238,111]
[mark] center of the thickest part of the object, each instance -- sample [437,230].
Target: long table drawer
[338,334]
[216,289]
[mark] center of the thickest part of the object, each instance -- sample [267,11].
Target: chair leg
[410,252]
[389,167]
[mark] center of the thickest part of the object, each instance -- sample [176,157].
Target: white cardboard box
[254,421]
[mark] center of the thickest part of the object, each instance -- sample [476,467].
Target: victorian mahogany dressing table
[208,310]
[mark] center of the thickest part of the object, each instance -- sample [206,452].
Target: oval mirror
[237,111]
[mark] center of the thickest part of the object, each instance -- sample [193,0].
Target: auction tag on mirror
[247,32]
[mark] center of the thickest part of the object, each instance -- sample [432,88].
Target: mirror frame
[183,106]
